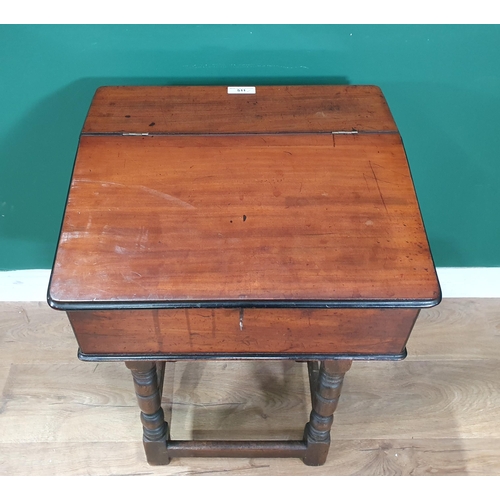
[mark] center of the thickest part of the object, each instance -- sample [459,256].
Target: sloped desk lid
[289,197]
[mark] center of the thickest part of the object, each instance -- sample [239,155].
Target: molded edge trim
[245,304]
[240,356]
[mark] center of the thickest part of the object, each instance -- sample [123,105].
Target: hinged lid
[213,199]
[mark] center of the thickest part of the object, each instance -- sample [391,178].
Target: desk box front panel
[255,331]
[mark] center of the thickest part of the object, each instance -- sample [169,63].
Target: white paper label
[241,90]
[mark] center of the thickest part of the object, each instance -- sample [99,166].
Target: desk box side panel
[251,331]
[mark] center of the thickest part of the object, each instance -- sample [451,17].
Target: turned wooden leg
[325,392]
[148,392]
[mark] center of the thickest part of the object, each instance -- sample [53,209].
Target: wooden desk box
[202,224]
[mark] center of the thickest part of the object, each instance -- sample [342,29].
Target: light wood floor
[435,413]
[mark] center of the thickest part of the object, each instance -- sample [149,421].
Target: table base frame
[325,378]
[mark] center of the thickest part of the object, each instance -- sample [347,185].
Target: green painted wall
[442,84]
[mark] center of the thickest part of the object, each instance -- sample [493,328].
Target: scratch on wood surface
[378,187]
[142,238]
[380,166]
[71,235]
[366,180]
[120,250]
[153,192]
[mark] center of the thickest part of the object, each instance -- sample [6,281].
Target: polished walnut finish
[281,224]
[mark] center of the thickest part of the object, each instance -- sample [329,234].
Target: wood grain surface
[295,217]
[232,331]
[272,109]
[434,414]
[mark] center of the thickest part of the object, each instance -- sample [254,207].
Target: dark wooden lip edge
[240,357]
[245,304]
